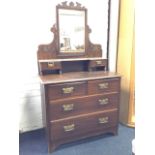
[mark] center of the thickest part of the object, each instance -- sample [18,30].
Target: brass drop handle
[98,62]
[103,120]
[50,64]
[103,101]
[68,90]
[68,128]
[103,85]
[68,107]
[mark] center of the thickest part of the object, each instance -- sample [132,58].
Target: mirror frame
[76,7]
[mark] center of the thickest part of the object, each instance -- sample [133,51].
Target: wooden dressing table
[80,97]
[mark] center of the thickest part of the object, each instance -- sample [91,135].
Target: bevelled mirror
[71,24]
[72,32]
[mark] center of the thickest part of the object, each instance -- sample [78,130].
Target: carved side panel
[49,51]
[92,50]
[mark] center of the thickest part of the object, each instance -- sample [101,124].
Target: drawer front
[60,91]
[95,63]
[71,128]
[50,65]
[72,107]
[102,86]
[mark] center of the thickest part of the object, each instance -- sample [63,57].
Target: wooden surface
[87,110]
[98,62]
[91,103]
[112,85]
[69,59]
[79,99]
[52,50]
[53,66]
[57,91]
[76,76]
[82,125]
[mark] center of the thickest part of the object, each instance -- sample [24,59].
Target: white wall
[36,19]
[113,35]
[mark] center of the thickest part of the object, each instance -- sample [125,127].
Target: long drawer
[70,107]
[103,85]
[71,89]
[70,128]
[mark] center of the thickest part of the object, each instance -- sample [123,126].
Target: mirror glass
[71,30]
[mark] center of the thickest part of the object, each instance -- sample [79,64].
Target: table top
[76,76]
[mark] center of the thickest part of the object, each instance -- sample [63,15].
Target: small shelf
[69,59]
[76,76]
[59,66]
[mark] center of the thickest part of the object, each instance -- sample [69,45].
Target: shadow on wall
[30,113]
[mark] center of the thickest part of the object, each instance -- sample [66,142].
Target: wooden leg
[114,131]
[52,147]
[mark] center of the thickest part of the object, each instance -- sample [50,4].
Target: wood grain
[77,76]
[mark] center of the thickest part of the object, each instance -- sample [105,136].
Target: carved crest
[71,5]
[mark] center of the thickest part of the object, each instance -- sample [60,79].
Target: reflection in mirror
[71,30]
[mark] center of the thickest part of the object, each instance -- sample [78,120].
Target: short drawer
[76,106]
[50,65]
[103,85]
[65,90]
[71,128]
[97,63]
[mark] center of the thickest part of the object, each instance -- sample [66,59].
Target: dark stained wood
[50,65]
[78,100]
[45,118]
[71,5]
[56,143]
[66,90]
[82,105]
[46,67]
[49,51]
[98,63]
[72,66]
[77,7]
[77,76]
[82,124]
[109,85]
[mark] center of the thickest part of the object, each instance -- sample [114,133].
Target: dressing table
[80,97]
